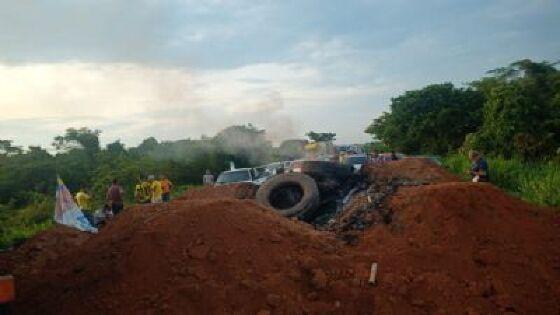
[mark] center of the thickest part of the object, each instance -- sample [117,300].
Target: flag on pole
[67,212]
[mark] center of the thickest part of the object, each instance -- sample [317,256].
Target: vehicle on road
[239,175]
[357,161]
[256,175]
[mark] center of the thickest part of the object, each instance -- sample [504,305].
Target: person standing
[155,187]
[479,167]
[83,200]
[115,197]
[208,179]
[166,186]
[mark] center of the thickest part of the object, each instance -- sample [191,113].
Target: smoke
[131,102]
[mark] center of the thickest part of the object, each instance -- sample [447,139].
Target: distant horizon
[178,70]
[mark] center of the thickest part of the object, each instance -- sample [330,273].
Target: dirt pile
[459,248]
[236,191]
[197,257]
[417,169]
[32,256]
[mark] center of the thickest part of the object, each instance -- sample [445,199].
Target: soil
[450,248]
[417,169]
[219,256]
[457,248]
[236,191]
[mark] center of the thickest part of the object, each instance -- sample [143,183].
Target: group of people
[147,191]
[153,190]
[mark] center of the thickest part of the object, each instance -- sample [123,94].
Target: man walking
[115,197]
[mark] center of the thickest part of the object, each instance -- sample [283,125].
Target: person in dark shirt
[115,198]
[479,167]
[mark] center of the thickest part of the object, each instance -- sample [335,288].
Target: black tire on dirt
[290,194]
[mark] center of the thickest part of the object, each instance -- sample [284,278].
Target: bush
[21,224]
[536,182]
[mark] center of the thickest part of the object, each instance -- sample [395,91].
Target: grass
[17,225]
[536,182]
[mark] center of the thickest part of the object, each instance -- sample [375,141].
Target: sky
[182,68]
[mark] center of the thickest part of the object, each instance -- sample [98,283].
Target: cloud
[131,101]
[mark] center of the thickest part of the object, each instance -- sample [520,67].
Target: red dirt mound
[465,247]
[417,169]
[33,255]
[198,257]
[236,191]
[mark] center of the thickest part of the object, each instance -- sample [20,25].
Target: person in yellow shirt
[83,200]
[155,187]
[166,186]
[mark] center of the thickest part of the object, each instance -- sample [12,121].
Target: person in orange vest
[166,186]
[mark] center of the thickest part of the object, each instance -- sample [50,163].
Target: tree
[6,148]
[522,111]
[83,138]
[434,119]
[321,136]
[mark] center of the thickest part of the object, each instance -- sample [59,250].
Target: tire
[290,194]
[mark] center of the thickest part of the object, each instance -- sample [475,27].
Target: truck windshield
[234,177]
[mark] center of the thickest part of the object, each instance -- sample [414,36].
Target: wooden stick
[373,273]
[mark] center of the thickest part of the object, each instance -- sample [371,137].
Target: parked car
[257,176]
[239,175]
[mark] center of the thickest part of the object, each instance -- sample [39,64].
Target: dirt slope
[197,257]
[419,169]
[464,247]
[236,191]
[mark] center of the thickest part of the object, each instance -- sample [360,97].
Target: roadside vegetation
[512,116]
[536,182]
[28,176]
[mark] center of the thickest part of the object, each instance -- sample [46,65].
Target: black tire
[290,194]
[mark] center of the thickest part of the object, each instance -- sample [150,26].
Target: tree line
[513,111]
[80,161]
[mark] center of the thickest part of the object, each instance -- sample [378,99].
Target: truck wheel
[290,194]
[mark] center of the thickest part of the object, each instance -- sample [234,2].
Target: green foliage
[83,138]
[321,136]
[28,179]
[514,112]
[434,119]
[521,113]
[18,225]
[536,182]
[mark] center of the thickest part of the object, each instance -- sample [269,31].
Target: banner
[67,212]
